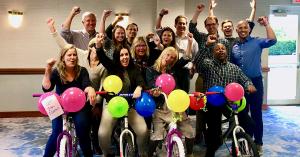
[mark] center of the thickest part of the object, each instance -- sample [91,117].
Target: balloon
[234,91]
[112,83]
[216,99]
[44,96]
[178,101]
[118,107]
[166,82]
[73,99]
[197,104]
[240,103]
[145,105]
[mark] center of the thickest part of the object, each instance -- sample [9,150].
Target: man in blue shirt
[246,53]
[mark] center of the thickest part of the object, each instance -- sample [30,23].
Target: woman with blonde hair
[97,73]
[69,74]
[167,62]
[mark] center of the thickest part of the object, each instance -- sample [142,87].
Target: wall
[30,45]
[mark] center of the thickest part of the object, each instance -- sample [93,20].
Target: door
[283,60]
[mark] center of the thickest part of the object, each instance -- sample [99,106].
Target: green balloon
[118,107]
[240,103]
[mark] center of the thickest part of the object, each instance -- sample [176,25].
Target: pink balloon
[73,99]
[166,82]
[44,96]
[234,91]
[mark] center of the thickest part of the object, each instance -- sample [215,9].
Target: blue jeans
[82,127]
[255,101]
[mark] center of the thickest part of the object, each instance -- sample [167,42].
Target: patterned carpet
[26,137]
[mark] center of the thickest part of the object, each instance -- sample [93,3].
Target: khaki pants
[136,122]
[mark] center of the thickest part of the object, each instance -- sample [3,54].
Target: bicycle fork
[124,132]
[237,129]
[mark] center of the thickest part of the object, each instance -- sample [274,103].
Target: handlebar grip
[101,92]
[37,95]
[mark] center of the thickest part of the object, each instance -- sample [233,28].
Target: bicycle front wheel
[246,146]
[128,147]
[176,148]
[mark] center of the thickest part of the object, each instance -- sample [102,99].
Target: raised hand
[200,8]
[99,40]
[75,10]
[190,37]
[163,12]
[211,39]
[50,23]
[156,39]
[213,4]
[106,13]
[119,18]
[263,20]
[253,4]
[50,62]
[150,36]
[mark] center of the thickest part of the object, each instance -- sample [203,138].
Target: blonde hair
[135,42]
[157,65]
[61,66]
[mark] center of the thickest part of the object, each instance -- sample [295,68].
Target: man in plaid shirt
[217,71]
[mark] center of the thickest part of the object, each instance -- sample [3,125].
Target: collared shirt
[80,38]
[216,73]
[247,54]
[182,44]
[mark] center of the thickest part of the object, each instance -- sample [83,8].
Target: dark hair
[173,43]
[132,24]
[211,17]
[113,36]
[180,16]
[116,56]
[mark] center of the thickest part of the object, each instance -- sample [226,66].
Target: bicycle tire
[246,146]
[63,150]
[176,148]
[129,149]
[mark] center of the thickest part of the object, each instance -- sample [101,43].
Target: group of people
[88,56]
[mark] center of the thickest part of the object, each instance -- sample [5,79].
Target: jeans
[82,127]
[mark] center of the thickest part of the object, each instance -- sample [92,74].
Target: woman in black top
[133,82]
[69,74]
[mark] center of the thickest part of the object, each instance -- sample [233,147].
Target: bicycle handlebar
[113,94]
[37,95]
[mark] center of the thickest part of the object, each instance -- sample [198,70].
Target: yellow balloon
[112,83]
[178,101]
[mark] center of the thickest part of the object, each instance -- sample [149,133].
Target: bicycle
[242,143]
[126,140]
[67,142]
[173,139]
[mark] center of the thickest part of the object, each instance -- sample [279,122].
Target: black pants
[214,123]
[96,119]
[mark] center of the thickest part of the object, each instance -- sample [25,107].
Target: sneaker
[259,149]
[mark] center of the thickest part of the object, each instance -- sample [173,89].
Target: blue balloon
[145,105]
[216,99]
